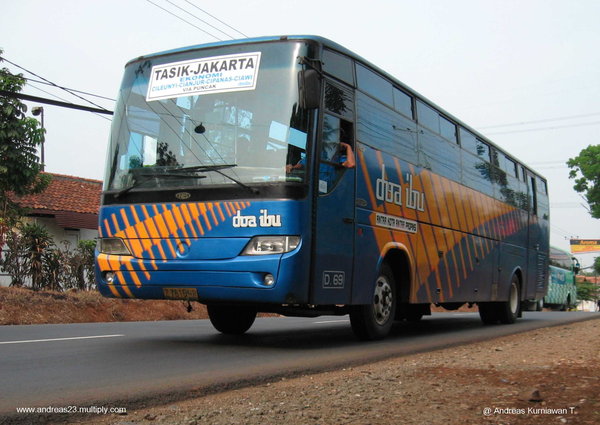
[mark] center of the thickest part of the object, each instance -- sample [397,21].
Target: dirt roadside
[20,306]
[546,376]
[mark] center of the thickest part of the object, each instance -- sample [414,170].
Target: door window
[337,151]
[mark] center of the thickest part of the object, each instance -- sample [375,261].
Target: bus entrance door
[334,229]
[537,261]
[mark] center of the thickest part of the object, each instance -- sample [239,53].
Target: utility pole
[38,110]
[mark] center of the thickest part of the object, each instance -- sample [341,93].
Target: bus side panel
[512,259]
[456,237]
[460,272]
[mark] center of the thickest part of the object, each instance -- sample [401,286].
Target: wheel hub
[382,301]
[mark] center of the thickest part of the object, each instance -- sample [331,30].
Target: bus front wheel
[231,319]
[374,321]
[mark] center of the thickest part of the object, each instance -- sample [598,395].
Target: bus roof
[341,49]
[554,251]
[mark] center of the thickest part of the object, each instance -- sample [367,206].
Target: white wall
[587,306]
[59,235]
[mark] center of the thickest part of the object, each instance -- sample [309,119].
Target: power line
[55,85]
[53,102]
[539,121]
[540,165]
[554,161]
[65,100]
[551,167]
[31,80]
[566,205]
[200,19]
[184,20]
[560,230]
[217,19]
[544,128]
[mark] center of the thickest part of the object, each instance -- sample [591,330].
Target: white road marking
[60,339]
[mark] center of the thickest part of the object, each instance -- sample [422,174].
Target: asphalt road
[116,364]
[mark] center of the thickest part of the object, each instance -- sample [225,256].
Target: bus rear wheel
[511,309]
[488,312]
[231,319]
[539,306]
[504,311]
[374,321]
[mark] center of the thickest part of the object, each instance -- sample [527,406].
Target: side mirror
[309,87]
[576,266]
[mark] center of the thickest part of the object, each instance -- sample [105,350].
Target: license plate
[180,293]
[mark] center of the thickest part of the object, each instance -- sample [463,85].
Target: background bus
[229,181]
[562,287]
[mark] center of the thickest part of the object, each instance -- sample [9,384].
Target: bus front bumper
[259,279]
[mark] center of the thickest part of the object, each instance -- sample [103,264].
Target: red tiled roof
[592,279]
[74,201]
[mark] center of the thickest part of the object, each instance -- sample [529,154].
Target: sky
[525,73]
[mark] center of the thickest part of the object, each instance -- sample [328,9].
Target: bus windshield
[209,117]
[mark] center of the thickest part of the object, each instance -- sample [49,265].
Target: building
[68,208]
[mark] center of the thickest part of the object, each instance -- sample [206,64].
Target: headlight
[113,246]
[264,245]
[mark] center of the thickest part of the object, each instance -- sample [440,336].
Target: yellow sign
[579,246]
[187,294]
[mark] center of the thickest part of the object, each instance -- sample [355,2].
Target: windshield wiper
[245,186]
[149,176]
[217,169]
[202,168]
[185,172]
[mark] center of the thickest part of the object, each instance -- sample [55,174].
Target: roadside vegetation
[21,306]
[20,166]
[28,254]
[32,259]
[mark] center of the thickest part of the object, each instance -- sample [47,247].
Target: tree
[596,265]
[19,164]
[13,261]
[37,241]
[585,169]
[587,290]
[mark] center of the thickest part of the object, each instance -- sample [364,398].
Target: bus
[289,175]
[562,287]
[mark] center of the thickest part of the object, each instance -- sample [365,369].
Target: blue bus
[289,175]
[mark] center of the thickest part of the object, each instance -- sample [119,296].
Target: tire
[509,310]
[374,321]
[539,305]
[414,313]
[504,311]
[488,312]
[231,319]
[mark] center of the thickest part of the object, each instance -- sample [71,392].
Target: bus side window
[375,85]
[338,65]
[333,154]
[448,130]
[532,195]
[403,103]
